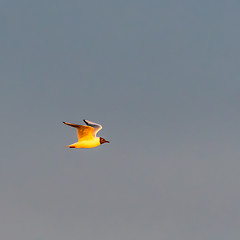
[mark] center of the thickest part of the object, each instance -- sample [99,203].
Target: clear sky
[162,77]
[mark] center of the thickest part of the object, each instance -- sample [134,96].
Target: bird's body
[86,144]
[87,135]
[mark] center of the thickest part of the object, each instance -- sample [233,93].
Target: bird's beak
[107,141]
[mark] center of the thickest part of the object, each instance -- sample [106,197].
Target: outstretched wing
[97,127]
[83,132]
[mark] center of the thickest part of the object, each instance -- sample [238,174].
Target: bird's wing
[83,132]
[97,127]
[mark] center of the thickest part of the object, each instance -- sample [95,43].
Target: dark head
[102,140]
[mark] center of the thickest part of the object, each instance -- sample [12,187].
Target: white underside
[86,144]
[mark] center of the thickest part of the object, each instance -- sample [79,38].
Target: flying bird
[87,135]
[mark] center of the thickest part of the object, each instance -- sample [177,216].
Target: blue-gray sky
[162,77]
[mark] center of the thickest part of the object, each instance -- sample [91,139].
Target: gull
[87,135]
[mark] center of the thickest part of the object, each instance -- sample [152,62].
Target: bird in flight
[87,135]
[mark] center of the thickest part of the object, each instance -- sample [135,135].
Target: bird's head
[102,140]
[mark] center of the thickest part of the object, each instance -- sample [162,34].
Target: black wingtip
[85,121]
[64,122]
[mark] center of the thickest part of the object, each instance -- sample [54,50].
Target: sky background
[162,78]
